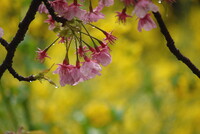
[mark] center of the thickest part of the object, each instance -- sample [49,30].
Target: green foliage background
[145,90]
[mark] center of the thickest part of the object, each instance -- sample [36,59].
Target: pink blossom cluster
[89,58]
[75,10]
[142,9]
[88,69]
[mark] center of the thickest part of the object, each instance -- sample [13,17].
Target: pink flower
[103,44]
[99,7]
[122,16]
[90,69]
[106,3]
[83,49]
[146,23]
[72,75]
[1,32]
[42,9]
[74,10]
[102,57]
[93,16]
[109,37]
[60,6]
[41,55]
[143,7]
[62,40]
[77,75]
[64,71]
[51,22]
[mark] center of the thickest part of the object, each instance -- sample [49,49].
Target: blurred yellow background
[145,90]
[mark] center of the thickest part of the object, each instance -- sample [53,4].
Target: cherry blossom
[93,16]
[51,22]
[60,6]
[62,40]
[109,37]
[90,69]
[74,10]
[102,57]
[143,7]
[41,55]
[42,9]
[77,76]
[146,23]
[64,71]
[122,16]
[89,57]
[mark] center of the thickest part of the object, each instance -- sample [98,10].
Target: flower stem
[52,43]
[88,34]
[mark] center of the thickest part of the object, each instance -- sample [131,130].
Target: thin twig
[52,13]
[4,42]
[172,47]
[19,77]
[23,27]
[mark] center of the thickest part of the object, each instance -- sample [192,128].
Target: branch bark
[19,77]
[30,16]
[23,27]
[172,47]
[4,43]
[52,13]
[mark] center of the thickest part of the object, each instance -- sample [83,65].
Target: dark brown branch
[52,13]
[19,77]
[4,43]
[23,27]
[172,47]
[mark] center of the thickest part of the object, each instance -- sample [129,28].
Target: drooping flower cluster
[89,58]
[70,11]
[141,10]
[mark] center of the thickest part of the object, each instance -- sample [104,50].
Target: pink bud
[41,55]
[1,32]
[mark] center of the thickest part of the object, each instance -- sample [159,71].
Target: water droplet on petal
[56,86]
[160,1]
[30,81]
[93,27]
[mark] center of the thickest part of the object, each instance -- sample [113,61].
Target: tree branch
[4,43]
[172,47]
[23,27]
[19,77]
[52,13]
